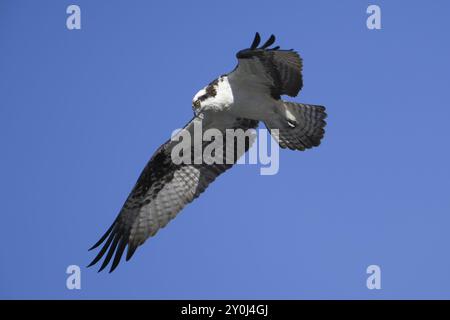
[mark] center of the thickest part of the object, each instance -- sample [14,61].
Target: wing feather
[160,193]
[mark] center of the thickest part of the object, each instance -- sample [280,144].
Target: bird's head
[196,105]
[198,101]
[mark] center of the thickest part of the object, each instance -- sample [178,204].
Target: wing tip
[114,246]
[269,42]
[130,251]
[256,41]
[103,238]
[249,52]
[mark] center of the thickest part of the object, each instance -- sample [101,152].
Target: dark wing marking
[281,70]
[256,41]
[305,131]
[161,191]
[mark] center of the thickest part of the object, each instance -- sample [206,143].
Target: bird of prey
[238,100]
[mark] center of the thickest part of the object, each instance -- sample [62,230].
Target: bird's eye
[197,103]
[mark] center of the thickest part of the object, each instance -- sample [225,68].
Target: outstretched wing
[164,188]
[279,70]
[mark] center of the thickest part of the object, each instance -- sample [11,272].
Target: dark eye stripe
[211,90]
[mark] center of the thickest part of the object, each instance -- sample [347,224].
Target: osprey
[237,100]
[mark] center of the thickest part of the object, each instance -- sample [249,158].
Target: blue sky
[82,111]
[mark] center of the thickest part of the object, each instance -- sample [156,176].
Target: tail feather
[300,127]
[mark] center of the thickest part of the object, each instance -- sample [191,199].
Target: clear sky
[81,112]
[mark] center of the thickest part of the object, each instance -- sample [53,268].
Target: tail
[300,126]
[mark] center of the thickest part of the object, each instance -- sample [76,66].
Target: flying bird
[238,100]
